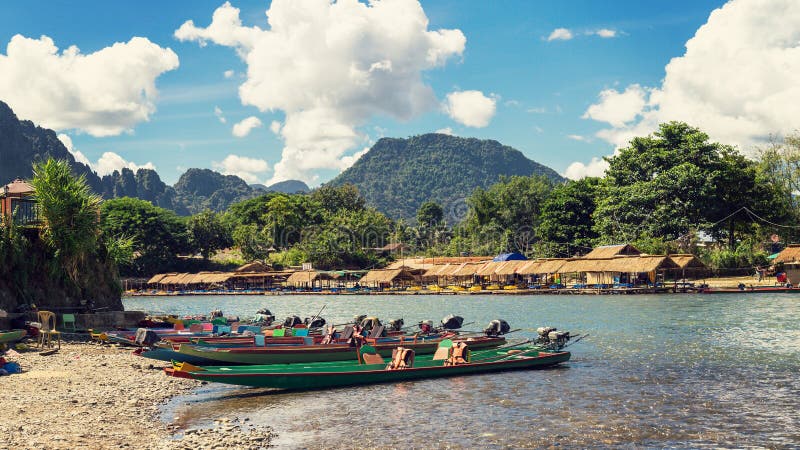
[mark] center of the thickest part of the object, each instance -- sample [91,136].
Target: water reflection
[657,371]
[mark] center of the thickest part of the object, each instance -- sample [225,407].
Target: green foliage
[430,214]
[664,185]
[208,233]
[69,210]
[251,240]
[506,216]
[568,214]
[397,176]
[159,234]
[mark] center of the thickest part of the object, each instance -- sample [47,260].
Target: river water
[656,371]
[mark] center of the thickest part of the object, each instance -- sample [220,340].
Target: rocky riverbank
[92,396]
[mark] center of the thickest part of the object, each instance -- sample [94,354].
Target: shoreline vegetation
[671,192]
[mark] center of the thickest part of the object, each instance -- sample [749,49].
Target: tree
[674,181]
[159,235]
[505,216]
[69,209]
[251,240]
[337,198]
[208,233]
[568,215]
[430,214]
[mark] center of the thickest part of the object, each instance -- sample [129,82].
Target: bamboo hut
[610,251]
[390,278]
[506,273]
[550,269]
[309,279]
[466,273]
[791,254]
[688,264]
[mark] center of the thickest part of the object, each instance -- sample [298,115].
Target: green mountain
[398,175]
[287,187]
[22,143]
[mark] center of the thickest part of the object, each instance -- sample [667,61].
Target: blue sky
[541,89]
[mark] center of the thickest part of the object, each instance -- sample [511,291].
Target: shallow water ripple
[657,371]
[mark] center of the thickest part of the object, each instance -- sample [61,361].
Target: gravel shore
[92,396]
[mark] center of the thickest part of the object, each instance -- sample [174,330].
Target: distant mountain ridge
[397,175]
[22,143]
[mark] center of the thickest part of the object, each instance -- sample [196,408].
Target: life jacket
[458,354]
[402,358]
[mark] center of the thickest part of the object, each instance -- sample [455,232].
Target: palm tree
[70,211]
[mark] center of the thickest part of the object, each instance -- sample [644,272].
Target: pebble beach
[88,396]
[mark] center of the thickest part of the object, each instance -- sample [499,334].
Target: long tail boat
[329,375]
[8,337]
[312,353]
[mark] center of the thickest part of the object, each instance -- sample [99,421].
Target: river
[656,371]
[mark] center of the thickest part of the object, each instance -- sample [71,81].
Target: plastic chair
[48,330]
[279,332]
[68,320]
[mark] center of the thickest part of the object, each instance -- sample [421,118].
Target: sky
[299,89]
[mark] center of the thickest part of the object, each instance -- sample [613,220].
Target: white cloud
[606,33]
[618,108]
[330,67]
[248,169]
[470,108]
[347,161]
[578,137]
[247,125]
[67,141]
[578,170]
[537,110]
[447,130]
[229,73]
[111,161]
[104,93]
[275,127]
[220,116]
[737,80]
[107,163]
[560,34]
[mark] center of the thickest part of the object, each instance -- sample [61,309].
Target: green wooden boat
[315,353]
[337,374]
[8,337]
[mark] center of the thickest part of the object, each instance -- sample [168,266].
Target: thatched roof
[307,276]
[789,254]
[551,265]
[687,261]
[157,278]
[437,270]
[509,267]
[610,251]
[629,264]
[530,267]
[640,264]
[489,268]
[467,269]
[381,276]
[255,266]
[580,265]
[426,263]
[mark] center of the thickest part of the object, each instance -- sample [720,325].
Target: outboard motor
[216,313]
[292,321]
[452,322]
[426,326]
[497,327]
[264,316]
[145,337]
[357,319]
[551,338]
[368,323]
[315,322]
[396,324]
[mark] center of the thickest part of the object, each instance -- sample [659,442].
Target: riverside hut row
[617,266]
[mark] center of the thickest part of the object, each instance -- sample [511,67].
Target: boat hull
[310,354]
[8,337]
[374,374]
